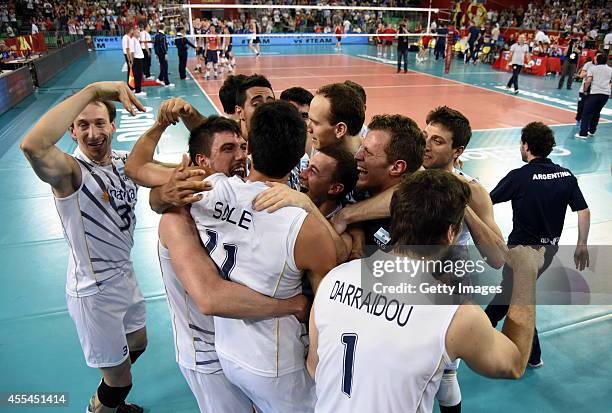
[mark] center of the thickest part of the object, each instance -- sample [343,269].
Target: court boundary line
[191,75]
[359,57]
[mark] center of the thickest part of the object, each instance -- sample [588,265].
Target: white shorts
[293,392]
[102,320]
[215,394]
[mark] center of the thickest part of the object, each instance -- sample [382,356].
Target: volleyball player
[212,53]
[200,44]
[338,32]
[228,55]
[369,354]
[379,40]
[266,252]
[336,115]
[96,201]
[254,40]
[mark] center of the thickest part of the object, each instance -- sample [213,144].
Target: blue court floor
[40,351]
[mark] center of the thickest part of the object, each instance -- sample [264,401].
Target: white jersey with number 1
[376,357]
[254,249]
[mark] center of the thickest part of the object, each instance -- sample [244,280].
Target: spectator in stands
[569,64]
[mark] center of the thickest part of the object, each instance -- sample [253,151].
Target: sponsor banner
[300,40]
[114,42]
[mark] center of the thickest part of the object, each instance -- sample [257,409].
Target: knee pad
[209,65]
[112,396]
[135,354]
[449,393]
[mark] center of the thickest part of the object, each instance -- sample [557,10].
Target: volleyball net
[312,24]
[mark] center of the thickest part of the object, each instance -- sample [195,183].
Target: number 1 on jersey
[350,343]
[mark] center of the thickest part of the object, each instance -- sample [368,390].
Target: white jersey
[465,237]
[136,48]
[98,222]
[392,362]
[254,249]
[194,332]
[125,43]
[145,40]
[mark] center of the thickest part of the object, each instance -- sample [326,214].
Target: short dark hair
[539,137]
[454,121]
[201,138]
[407,140]
[250,82]
[298,95]
[228,91]
[601,59]
[346,169]
[161,26]
[359,89]
[425,204]
[345,106]
[277,138]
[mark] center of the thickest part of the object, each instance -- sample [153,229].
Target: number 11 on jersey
[350,343]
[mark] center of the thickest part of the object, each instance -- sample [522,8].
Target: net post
[190,21]
[450,46]
[429,18]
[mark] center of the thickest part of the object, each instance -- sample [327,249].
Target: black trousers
[182,64]
[147,63]
[498,307]
[472,52]
[590,113]
[402,53]
[439,49]
[516,69]
[163,69]
[138,66]
[127,78]
[581,98]
[569,70]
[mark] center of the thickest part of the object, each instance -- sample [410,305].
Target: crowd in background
[591,19]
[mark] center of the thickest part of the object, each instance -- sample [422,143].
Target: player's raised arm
[486,350]
[51,164]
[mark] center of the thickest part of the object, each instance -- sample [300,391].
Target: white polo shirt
[136,49]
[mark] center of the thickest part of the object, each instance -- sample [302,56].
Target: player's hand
[118,92]
[279,196]
[172,110]
[523,257]
[185,185]
[339,220]
[302,307]
[581,257]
